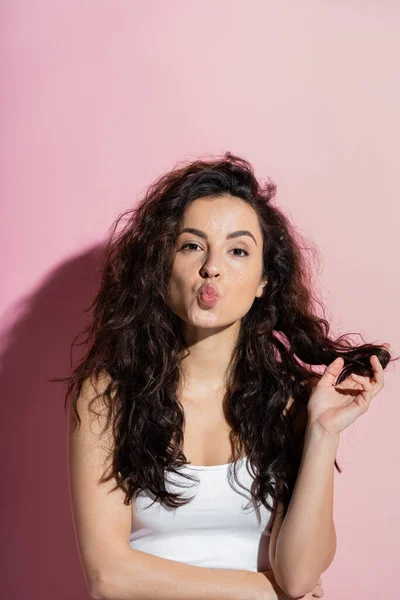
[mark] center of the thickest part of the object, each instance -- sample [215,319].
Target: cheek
[179,282]
[246,281]
[241,294]
[180,292]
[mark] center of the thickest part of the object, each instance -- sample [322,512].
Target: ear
[261,287]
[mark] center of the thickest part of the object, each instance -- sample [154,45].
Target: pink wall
[98,99]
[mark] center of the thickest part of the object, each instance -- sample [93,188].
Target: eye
[185,247]
[241,250]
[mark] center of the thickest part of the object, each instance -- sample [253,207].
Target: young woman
[199,387]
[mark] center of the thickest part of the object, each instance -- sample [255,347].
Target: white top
[214,530]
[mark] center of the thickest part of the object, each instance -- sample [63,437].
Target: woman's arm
[306,543]
[137,575]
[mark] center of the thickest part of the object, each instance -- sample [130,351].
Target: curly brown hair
[134,342]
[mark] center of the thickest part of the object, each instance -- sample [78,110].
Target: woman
[200,367]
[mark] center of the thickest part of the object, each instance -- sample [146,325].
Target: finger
[377,368]
[362,401]
[331,372]
[320,592]
[363,380]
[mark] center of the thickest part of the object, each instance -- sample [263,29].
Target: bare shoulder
[91,395]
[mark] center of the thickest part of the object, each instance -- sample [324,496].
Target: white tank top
[214,530]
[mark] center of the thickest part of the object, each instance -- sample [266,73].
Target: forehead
[221,213]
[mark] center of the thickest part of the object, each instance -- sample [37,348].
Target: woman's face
[233,265]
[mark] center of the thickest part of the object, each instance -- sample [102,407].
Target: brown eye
[241,250]
[184,247]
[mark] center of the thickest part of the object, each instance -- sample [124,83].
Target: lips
[208,290]
[207,295]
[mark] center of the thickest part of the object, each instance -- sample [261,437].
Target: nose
[210,268]
[209,273]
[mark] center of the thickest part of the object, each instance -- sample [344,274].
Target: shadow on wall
[39,552]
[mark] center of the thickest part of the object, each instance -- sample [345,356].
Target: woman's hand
[266,593]
[332,408]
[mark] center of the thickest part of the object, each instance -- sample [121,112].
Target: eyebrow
[233,234]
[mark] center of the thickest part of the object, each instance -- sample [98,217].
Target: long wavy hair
[134,342]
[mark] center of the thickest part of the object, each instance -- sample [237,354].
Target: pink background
[98,99]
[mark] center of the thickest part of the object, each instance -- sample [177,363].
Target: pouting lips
[208,301]
[208,290]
